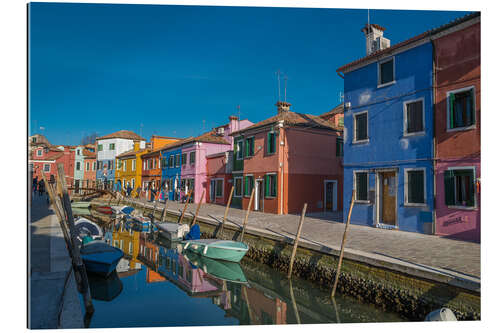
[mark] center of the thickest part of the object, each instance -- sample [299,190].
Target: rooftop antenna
[279,92]
[238,117]
[285,78]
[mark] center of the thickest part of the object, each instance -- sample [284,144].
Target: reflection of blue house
[388,134]
[171,170]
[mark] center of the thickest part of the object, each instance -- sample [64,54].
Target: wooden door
[388,197]
[331,195]
[259,195]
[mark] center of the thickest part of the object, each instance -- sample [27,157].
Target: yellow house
[128,242]
[128,168]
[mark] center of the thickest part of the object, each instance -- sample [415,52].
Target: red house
[219,177]
[46,159]
[458,129]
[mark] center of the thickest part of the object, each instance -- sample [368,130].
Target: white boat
[125,210]
[172,231]
[85,227]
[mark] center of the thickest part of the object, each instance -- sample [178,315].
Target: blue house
[171,169]
[388,134]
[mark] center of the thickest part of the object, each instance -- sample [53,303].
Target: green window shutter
[246,186]
[449,188]
[452,110]
[253,146]
[268,143]
[267,185]
[470,198]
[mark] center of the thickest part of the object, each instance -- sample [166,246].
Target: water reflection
[164,286]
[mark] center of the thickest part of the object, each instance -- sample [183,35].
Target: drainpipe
[282,165]
[434,134]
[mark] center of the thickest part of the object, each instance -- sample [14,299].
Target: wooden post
[164,214]
[294,304]
[343,244]
[76,250]
[246,216]
[197,209]
[227,210]
[297,237]
[185,206]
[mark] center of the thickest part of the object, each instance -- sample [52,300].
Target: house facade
[388,135]
[151,163]
[290,159]
[128,168]
[89,168]
[79,167]
[219,177]
[171,168]
[45,159]
[110,146]
[458,124]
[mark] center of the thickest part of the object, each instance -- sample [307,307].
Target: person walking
[129,190]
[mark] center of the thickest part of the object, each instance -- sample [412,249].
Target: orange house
[151,168]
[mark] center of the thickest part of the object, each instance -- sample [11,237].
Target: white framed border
[235,192]
[277,187]
[456,91]
[381,62]
[475,192]
[405,118]
[354,172]
[355,132]
[412,204]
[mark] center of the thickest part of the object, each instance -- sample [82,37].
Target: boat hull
[100,258]
[218,252]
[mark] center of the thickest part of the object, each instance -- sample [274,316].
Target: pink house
[194,156]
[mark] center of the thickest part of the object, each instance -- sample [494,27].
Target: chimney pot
[283,106]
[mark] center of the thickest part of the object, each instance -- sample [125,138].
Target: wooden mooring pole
[296,243]
[80,267]
[221,229]
[246,216]
[197,209]
[164,213]
[339,266]
[185,206]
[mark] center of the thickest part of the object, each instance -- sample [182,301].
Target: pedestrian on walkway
[129,190]
[35,184]
[41,188]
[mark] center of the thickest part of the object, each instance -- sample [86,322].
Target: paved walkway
[49,263]
[320,228]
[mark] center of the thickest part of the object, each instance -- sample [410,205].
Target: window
[361,185]
[219,184]
[133,183]
[125,165]
[249,147]
[99,147]
[248,185]
[271,185]
[386,72]
[33,140]
[78,166]
[361,127]
[39,152]
[133,165]
[177,160]
[341,121]
[94,166]
[461,108]
[192,157]
[459,187]
[163,163]
[271,143]
[414,117]
[111,146]
[118,164]
[183,159]
[78,151]
[239,150]
[339,151]
[46,168]
[87,166]
[171,161]
[154,163]
[415,186]
[237,186]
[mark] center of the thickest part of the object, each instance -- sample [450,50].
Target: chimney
[283,106]
[375,40]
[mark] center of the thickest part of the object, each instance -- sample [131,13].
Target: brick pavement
[325,229]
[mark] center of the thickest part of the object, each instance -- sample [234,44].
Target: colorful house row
[412,131]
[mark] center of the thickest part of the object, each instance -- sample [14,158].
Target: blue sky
[103,68]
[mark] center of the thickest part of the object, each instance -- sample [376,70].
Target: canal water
[156,284]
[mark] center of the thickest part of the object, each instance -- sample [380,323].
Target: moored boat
[100,258]
[126,210]
[220,269]
[85,227]
[102,209]
[217,249]
[172,231]
[80,204]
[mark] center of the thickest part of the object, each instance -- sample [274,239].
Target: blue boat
[99,257]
